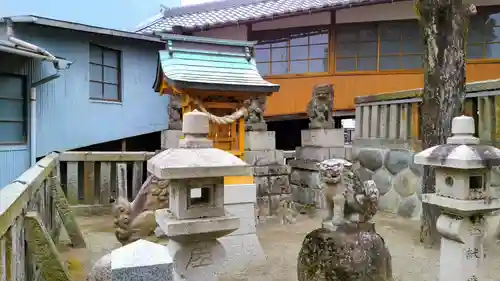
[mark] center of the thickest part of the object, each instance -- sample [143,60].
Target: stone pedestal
[317,145]
[351,253]
[197,260]
[271,175]
[170,138]
[243,248]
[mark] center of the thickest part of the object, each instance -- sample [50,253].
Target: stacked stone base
[271,175]
[317,145]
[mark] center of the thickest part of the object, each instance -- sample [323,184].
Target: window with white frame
[104,71]
[12,110]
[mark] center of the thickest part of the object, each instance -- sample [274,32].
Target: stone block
[322,137]
[271,170]
[307,196]
[409,207]
[303,164]
[170,138]
[337,152]
[262,184]
[304,178]
[260,140]
[406,183]
[318,198]
[242,252]
[279,184]
[383,180]
[246,213]
[313,153]
[141,260]
[389,202]
[372,158]
[240,193]
[274,204]
[264,157]
[263,206]
[295,190]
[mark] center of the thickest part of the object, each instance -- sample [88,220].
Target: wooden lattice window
[293,54]
[104,71]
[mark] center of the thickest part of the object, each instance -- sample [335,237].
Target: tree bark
[444,27]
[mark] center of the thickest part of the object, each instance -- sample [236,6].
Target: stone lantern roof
[462,150]
[196,158]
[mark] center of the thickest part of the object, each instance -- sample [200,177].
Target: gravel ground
[411,261]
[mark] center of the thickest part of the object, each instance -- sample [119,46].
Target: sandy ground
[411,261]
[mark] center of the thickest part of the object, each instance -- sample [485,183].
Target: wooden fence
[96,178]
[395,117]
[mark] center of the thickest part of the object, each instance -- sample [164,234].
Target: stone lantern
[196,215]
[463,189]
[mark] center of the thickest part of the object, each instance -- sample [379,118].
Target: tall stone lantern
[463,186]
[196,215]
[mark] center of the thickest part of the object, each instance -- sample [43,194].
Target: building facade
[105,95]
[361,47]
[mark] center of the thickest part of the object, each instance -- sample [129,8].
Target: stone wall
[397,177]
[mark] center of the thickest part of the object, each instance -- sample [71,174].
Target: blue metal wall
[67,118]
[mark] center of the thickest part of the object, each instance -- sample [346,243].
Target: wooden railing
[32,210]
[394,118]
[34,207]
[96,178]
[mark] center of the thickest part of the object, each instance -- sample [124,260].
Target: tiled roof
[229,12]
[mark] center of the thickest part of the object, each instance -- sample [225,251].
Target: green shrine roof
[210,64]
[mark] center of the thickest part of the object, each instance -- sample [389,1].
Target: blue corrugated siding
[13,162]
[67,119]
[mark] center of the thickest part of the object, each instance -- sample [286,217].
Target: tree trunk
[444,26]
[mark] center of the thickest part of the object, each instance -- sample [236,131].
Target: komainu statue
[346,247]
[320,107]
[174,113]
[254,120]
[135,220]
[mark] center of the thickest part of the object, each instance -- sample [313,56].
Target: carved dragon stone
[320,107]
[135,220]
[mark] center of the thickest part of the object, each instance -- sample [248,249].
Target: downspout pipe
[33,117]
[39,52]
